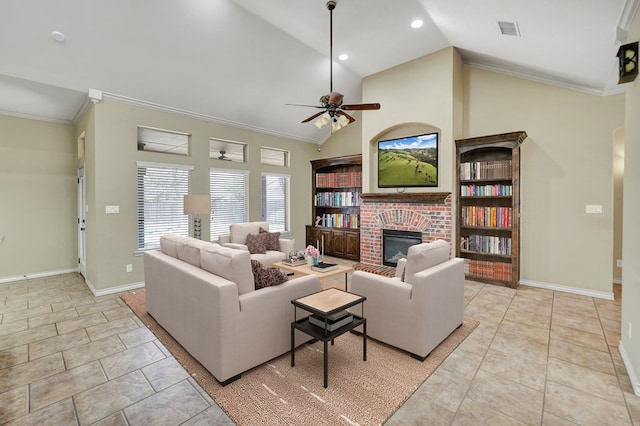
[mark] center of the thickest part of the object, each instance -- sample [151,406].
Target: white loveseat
[421,306]
[237,238]
[203,295]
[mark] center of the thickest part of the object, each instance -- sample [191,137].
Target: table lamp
[196,205]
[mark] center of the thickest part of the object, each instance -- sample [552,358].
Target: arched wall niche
[398,131]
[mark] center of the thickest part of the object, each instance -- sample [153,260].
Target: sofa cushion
[231,264]
[257,243]
[273,239]
[169,244]
[189,250]
[238,231]
[424,256]
[266,277]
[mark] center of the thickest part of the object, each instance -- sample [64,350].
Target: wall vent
[509,28]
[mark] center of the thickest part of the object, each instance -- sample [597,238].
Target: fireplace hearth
[395,245]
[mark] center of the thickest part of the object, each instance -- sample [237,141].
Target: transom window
[166,141]
[220,149]
[274,157]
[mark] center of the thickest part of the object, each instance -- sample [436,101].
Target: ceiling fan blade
[310,106]
[306,120]
[351,119]
[361,107]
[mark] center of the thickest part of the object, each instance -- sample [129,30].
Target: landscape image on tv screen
[409,161]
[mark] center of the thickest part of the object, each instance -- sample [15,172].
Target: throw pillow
[256,243]
[273,239]
[266,277]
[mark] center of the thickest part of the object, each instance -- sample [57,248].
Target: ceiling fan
[333,110]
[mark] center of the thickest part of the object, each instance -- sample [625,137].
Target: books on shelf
[333,322]
[338,180]
[490,217]
[498,169]
[337,199]
[495,190]
[498,271]
[324,267]
[487,244]
[340,220]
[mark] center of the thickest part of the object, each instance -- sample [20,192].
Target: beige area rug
[274,393]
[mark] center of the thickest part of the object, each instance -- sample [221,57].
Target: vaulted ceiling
[240,61]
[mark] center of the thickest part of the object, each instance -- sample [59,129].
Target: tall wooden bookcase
[488,207]
[336,186]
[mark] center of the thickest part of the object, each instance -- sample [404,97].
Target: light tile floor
[538,357]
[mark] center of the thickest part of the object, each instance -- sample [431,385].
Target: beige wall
[111,162]
[37,197]
[630,345]
[618,186]
[420,92]
[567,163]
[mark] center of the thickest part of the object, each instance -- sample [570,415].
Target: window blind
[229,199]
[161,191]
[275,201]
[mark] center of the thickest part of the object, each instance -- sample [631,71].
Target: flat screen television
[411,161]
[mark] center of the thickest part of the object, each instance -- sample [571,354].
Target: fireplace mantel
[405,197]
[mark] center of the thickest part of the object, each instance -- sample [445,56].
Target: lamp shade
[197,204]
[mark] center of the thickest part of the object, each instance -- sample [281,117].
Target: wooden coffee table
[323,304]
[306,270]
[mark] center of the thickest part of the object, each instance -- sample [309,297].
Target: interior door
[82,250]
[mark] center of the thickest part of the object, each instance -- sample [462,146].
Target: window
[161,191]
[157,140]
[275,201]
[220,149]
[274,157]
[229,199]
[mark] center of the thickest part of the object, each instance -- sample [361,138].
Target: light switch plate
[112,209]
[593,209]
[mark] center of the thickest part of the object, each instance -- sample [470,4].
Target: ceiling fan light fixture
[343,121]
[322,120]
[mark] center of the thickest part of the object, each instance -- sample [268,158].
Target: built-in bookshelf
[488,207]
[336,190]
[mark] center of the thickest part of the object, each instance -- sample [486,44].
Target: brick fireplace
[429,213]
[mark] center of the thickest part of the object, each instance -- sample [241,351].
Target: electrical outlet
[129,267]
[593,209]
[619,263]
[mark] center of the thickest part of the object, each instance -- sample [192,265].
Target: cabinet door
[313,235]
[352,250]
[339,243]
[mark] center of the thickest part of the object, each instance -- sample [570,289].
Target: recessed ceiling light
[57,36]
[417,23]
[343,57]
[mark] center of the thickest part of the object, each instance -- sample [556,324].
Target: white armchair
[249,232]
[418,312]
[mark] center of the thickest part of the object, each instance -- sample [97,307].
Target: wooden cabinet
[336,190]
[488,207]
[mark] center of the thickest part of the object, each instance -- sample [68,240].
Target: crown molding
[184,113]
[35,117]
[544,79]
[626,17]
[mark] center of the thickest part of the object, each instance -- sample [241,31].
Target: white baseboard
[635,382]
[111,290]
[567,289]
[35,275]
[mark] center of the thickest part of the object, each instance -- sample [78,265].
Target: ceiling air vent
[509,28]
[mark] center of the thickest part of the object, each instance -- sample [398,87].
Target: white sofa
[237,238]
[203,295]
[421,306]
